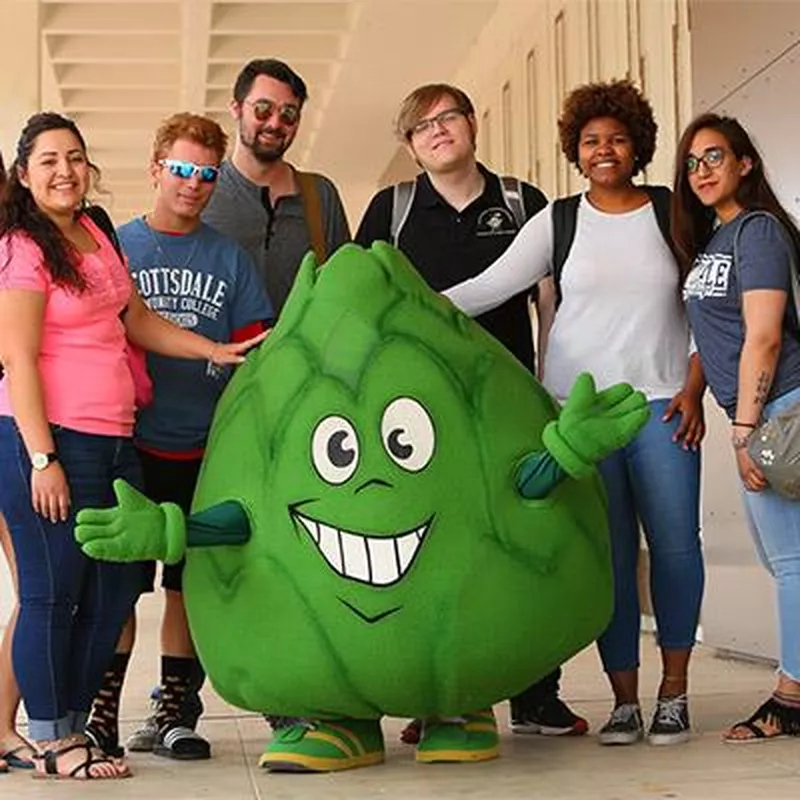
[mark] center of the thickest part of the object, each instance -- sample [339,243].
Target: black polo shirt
[447,246]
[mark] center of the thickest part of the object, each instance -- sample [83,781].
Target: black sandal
[50,758]
[182,744]
[784,719]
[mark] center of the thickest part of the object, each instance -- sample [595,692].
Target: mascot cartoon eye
[407,433]
[334,449]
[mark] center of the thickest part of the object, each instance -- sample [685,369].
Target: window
[532,97]
[594,39]
[508,128]
[560,51]
[486,137]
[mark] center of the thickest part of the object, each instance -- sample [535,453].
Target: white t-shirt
[621,317]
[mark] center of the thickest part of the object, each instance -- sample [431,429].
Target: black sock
[103,724]
[176,683]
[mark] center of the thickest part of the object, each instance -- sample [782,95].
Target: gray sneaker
[143,740]
[624,726]
[670,723]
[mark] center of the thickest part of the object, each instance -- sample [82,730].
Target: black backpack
[565,217]
[100,217]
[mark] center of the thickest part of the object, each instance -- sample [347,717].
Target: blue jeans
[71,608]
[655,481]
[775,527]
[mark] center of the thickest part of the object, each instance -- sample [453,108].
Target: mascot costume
[393,518]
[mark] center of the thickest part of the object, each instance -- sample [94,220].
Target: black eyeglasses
[442,119]
[188,169]
[263,109]
[712,157]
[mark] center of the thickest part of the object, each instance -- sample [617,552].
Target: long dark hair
[692,222]
[19,212]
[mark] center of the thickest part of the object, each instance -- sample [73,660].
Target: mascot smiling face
[393,566]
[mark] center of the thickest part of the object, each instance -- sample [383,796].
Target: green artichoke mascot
[393,517]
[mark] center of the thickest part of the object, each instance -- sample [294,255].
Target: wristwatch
[40,461]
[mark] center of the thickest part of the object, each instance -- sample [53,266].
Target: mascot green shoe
[325,746]
[392,518]
[472,737]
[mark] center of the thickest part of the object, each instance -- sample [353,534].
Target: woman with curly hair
[621,318]
[742,247]
[67,309]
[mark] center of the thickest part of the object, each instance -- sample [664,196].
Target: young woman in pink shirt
[67,310]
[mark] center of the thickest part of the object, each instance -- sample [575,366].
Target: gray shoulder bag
[775,443]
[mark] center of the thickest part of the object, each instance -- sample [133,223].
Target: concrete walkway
[530,767]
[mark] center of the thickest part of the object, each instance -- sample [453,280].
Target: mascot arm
[538,475]
[223,524]
[593,424]
[136,529]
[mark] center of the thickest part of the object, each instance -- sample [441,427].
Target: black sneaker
[670,723]
[553,717]
[624,726]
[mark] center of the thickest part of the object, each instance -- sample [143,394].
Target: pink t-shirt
[83,364]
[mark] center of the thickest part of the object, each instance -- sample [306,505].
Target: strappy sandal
[50,758]
[782,720]
[3,766]
[14,758]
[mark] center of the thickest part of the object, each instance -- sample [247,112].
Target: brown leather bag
[312,211]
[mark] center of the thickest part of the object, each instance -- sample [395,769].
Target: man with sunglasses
[274,211]
[199,279]
[453,221]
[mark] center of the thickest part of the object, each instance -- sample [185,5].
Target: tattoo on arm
[762,389]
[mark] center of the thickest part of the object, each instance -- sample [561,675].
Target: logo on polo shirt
[497,221]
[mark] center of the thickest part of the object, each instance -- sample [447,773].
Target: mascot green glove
[392,517]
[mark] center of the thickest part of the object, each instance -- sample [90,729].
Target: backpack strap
[514,199]
[308,185]
[402,198]
[661,198]
[99,216]
[565,217]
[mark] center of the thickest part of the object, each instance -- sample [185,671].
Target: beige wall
[548,48]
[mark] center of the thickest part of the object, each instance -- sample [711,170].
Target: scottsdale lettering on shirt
[180,295]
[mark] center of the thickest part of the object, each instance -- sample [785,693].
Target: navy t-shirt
[206,283]
[712,293]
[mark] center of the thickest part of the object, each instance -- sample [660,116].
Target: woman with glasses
[621,319]
[739,300]
[67,304]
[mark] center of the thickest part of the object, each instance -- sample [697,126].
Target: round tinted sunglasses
[188,169]
[263,109]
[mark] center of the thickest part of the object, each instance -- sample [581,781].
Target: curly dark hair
[620,100]
[19,212]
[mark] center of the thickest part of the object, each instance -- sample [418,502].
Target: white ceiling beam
[108,17]
[115,47]
[125,74]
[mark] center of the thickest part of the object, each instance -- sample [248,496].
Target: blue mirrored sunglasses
[188,169]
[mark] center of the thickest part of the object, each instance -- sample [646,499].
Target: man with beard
[275,212]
